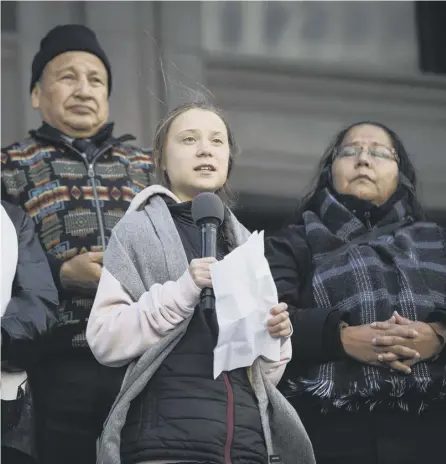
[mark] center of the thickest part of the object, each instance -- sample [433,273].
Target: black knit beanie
[67,38]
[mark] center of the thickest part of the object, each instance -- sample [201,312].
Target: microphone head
[207,207]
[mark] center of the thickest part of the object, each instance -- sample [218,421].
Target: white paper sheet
[244,295]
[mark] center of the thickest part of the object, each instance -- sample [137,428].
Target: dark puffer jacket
[184,414]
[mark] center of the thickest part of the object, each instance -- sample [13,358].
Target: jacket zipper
[367,220]
[229,419]
[90,170]
[92,175]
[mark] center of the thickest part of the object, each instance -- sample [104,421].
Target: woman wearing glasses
[364,275]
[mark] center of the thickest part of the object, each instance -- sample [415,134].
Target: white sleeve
[120,329]
[275,369]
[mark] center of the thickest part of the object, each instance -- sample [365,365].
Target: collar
[335,212]
[49,133]
[368,213]
[181,211]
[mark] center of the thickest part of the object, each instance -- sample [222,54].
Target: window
[376,36]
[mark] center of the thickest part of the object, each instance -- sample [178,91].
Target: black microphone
[208,213]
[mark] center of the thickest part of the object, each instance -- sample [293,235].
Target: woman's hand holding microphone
[279,325]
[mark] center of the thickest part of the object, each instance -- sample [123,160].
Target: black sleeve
[439,314]
[55,267]
[32,310]
[316,333]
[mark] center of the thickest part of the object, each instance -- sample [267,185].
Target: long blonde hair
[162,176]
[160,140]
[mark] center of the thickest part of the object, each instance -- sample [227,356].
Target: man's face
[72,94]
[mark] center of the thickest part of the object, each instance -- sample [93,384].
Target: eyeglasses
[377,152]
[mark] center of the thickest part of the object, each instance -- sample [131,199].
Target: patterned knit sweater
[76,191]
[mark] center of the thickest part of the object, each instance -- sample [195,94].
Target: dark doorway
[431,30]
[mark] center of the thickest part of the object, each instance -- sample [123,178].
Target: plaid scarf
[403,271]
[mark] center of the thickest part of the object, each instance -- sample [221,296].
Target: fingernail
[373,324]
[374,341]
[408,371]
[380,358]
[417,355]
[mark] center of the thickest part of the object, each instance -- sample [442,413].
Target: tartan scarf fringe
[390,395]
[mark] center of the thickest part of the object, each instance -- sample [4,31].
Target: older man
[75,179]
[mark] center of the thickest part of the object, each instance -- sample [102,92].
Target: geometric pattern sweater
[75,191]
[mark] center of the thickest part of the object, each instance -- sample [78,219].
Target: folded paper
[244,296]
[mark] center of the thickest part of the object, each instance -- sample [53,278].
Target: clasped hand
[397,343]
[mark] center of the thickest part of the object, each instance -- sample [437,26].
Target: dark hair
[408,177]
[162,177]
